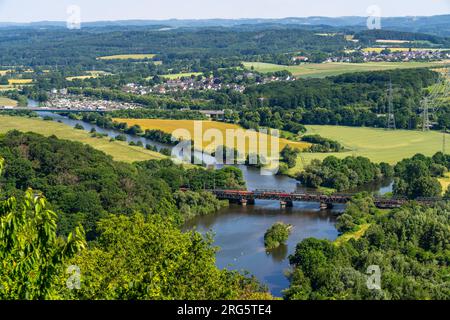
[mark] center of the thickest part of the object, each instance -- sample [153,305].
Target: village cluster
[198,83]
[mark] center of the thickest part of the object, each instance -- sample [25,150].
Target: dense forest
[354,99]
[83,185]
[409,246]
[193,47]
[343,174]
[146,257]
[418,176]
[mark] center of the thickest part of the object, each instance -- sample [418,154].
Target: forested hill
[438,24]
[62,47]
[350,99]
[84,184]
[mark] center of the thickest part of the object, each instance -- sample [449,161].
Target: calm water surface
[239,232]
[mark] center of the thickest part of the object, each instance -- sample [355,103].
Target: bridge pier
[326,206]
[286,204]
[245,202]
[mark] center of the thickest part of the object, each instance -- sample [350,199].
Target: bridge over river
[52,110]
[325,201]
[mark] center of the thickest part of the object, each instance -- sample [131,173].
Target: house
[300,59]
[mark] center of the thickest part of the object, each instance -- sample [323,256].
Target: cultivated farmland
[321,70]
[170,126]
[7,102]
[120,151]
[181,75]
[128,57]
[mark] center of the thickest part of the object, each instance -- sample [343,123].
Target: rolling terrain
[120,151]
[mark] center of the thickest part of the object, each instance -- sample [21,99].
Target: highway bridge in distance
[326,201]
[52,110]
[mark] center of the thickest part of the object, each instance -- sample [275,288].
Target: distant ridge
[438,25]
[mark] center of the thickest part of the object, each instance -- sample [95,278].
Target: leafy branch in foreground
[31,254]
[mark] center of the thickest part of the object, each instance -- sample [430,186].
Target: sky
[96,10]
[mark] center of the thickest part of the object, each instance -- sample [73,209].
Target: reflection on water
[278,254]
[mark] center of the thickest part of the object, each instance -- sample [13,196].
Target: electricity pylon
[391,116]
[434,100]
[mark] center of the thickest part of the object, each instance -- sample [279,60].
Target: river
[239,231]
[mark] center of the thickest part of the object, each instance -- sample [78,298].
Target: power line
[433,101]
[391,115]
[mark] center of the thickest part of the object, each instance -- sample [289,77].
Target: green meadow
[321,70]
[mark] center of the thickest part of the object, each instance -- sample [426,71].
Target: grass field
[170,126]
[400,49]
[89,75]
[321,70]
[120,151]
[180,75]
[129,57]
[352,235]
[445,182]
[379,145]
[7,102]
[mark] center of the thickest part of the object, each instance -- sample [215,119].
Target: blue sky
[93,10]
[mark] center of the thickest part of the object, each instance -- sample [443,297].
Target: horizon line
[232,19]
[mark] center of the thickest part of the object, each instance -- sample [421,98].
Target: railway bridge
[326,201]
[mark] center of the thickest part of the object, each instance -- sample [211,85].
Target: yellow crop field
[172,126]
[3,72]
[20,81]
[128,57]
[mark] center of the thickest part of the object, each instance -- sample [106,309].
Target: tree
[150,258]
[426,187]
[345,223]
[277,235]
